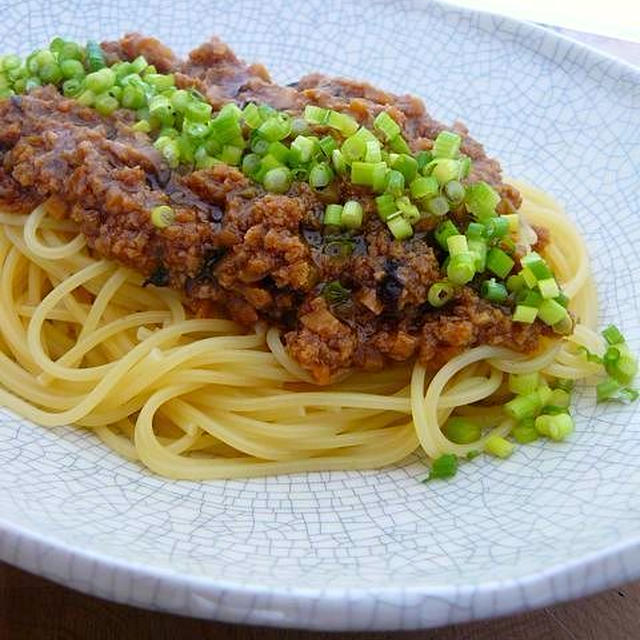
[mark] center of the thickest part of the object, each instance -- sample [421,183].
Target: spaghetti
[83,342]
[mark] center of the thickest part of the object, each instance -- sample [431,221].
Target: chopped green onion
[529,279]
[406,165]
[550,312]
[444,466]
[335,293]
[279,151]
[386,206]
[440,293]
[537,265]
[133,97]
[372,151]
[523,383]
[529,298]
[251,115]
[395,183]
[461,268]
[162,216]
[558,398]
[302,149]
[444,231]
[386,125]
[609,389]
[160,81]
[225,127]
[461,430]
[438,206]
[231,155]
[95,56]
[515,283]
[320,175]
[399,145]
[423,158]
[105,104]
[612,335]
[457,244]
[250,164]
[344,123]
[525,432]
[367,173]
[424,187]
[338,162]
[499,262]
[523,406]
[277,180]
[445,170]
[499,447]
[556,427]
[315,115]
[276,127]
[494,291]
[352,214]
[101,80]
[400,228]
[408,209]
[454,191]
[72,68]
[524,314]
[479,249]
[446,145]
[333,215]
[327,145]
[620,364]
[481,200]
[548,288]
[497,227]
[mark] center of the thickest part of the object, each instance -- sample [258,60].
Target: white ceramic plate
[374,549]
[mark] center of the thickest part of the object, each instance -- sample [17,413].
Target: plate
[371,549]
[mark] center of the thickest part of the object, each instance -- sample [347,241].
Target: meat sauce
[232,245]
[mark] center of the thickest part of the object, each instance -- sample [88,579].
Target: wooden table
[32,608]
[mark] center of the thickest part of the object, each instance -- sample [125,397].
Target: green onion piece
[302,149]
[494,291]
[231,155]
[440,293]
[95,56]
[529,298]
[525,314]
[497,227]
[143,126]
[180,99]
[408,209]
[457,244]
[445,170]
[564,327]
[327,145]
[423,158]
[386,206]
[277,180]
[72,87]
[160,81]
[461,430]
[523,406]
[276,127]
[406,165]
[548,288]
[524,383]
[499,262]
[133,97]
[202,159]
[481,200]
[105,104]
[395,183]
[525,432]
[267,163]
[251,115]
[400,228]
[72,68]
[454,191]
[372,151]
[443,467]
[352,214]
[224,127]
[609,389]
[344,123]
[279,151]
[479,249]
[101,80]
[620,364]
[338,162]
[315,115]
[446,145]
[499,447]
[386,125]
[444,231]
[335,293]
[536,265]
[612,335]
[333,215]
[529,279]
[162,216]
[365,173]
[320,175]
[438,206]
[562,299]
[461,268]
[354,148]
[138,65]
[550,312]
[515,283]
[250,164]
[424,187]
[399,145]
[558,398]
[86,98]
[556,427]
